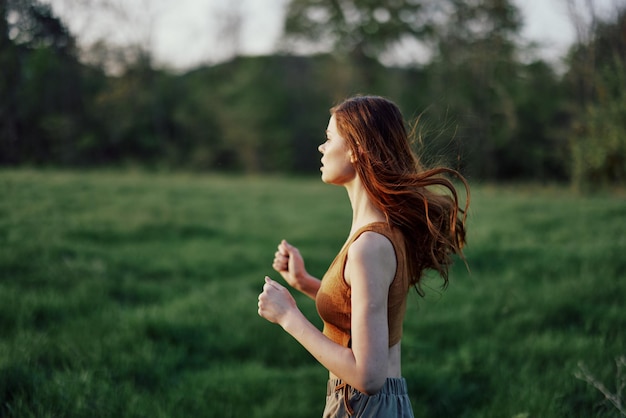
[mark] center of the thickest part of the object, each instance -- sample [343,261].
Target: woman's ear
[353,157]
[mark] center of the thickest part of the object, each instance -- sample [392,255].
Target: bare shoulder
[372,253]
[372,244]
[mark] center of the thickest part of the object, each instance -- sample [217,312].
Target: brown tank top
[334,296]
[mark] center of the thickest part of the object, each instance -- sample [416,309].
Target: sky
[186,33]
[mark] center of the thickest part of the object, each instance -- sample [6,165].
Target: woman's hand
[275,302]
[290,264]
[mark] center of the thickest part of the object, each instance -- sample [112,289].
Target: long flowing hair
[423,203]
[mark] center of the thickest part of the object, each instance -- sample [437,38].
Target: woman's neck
[363,209]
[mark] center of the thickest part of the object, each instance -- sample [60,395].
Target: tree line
[486,104]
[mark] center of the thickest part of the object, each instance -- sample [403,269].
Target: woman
[400,228]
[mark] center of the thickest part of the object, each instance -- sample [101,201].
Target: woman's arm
[370,269]
[290,264]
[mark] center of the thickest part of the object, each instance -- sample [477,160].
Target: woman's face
[337,160]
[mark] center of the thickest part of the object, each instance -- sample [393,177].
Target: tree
[34,25]
[476,74]
[597,80]
[477,88]
[9,62]
[41,100]
[359,31]
[356,27]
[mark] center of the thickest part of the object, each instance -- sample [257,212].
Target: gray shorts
[391,401]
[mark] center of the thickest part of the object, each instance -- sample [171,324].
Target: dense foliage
[492,114]
[597,78]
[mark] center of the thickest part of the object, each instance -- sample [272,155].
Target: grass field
[134,295]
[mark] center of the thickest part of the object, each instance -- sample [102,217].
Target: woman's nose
[320,148]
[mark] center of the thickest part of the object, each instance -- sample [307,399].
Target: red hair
[431,221]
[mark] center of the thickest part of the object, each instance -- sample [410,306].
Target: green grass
[134,295]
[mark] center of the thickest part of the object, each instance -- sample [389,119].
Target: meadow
[127,294]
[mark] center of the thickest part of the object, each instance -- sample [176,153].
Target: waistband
[392,386]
